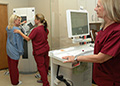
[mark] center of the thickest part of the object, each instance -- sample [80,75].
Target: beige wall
[14,4]
[55,31]
[59,23]
[55,14]
[63,6]
[42,6]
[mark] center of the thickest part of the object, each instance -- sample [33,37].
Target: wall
[55,13]
[59,23]
[14,4]
[43,6]
[55,31]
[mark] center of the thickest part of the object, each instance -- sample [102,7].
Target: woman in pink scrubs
[40,46]
[106,58]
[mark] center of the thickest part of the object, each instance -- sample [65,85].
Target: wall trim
[4,3]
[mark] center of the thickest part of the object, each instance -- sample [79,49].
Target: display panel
[77,23]
[24,18]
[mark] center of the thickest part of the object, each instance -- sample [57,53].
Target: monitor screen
[77,23]
[24,18]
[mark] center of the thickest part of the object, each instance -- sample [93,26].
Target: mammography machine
[78,73]
[27,63]
[27,14]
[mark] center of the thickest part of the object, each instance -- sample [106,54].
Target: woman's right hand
[68,59]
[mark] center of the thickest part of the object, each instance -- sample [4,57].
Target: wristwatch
[75,59]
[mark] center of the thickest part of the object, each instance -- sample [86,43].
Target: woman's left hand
[68,59]
[23,22]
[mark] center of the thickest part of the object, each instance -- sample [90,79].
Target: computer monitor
[77,23]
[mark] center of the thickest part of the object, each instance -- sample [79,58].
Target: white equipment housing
[78,74]
[27,63]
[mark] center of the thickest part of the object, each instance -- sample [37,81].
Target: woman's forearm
[96,58]
[24,36]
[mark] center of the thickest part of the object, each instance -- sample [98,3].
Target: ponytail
[45,25]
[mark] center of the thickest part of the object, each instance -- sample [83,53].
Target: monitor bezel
[69,25]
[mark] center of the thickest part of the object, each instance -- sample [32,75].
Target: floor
[27,79]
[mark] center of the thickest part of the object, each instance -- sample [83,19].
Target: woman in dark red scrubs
[106,58]
[40,46]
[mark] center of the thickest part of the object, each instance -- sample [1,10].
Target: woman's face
[36,21]
[17,22]
[100,10]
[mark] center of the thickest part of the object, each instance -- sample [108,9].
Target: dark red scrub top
[39,40]
[108,42]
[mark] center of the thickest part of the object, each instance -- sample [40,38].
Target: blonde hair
[12,20]
[42,20]
[112,8]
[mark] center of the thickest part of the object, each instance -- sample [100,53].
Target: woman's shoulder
[116,30]
[116,27]
[14,27]
[39,28]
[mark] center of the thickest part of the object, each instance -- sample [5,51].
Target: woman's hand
[69,59]
[16,31]
[23,22]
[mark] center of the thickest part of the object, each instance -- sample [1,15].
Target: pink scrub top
[108,42]
[39,40]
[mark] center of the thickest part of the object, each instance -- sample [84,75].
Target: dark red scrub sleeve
[33,33]
[112,45]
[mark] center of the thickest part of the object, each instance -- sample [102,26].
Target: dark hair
[45,25]
[42,20]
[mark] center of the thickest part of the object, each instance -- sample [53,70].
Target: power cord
[61,78]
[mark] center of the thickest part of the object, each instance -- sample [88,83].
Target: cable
[58,69]
[71,82]
[61,78]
